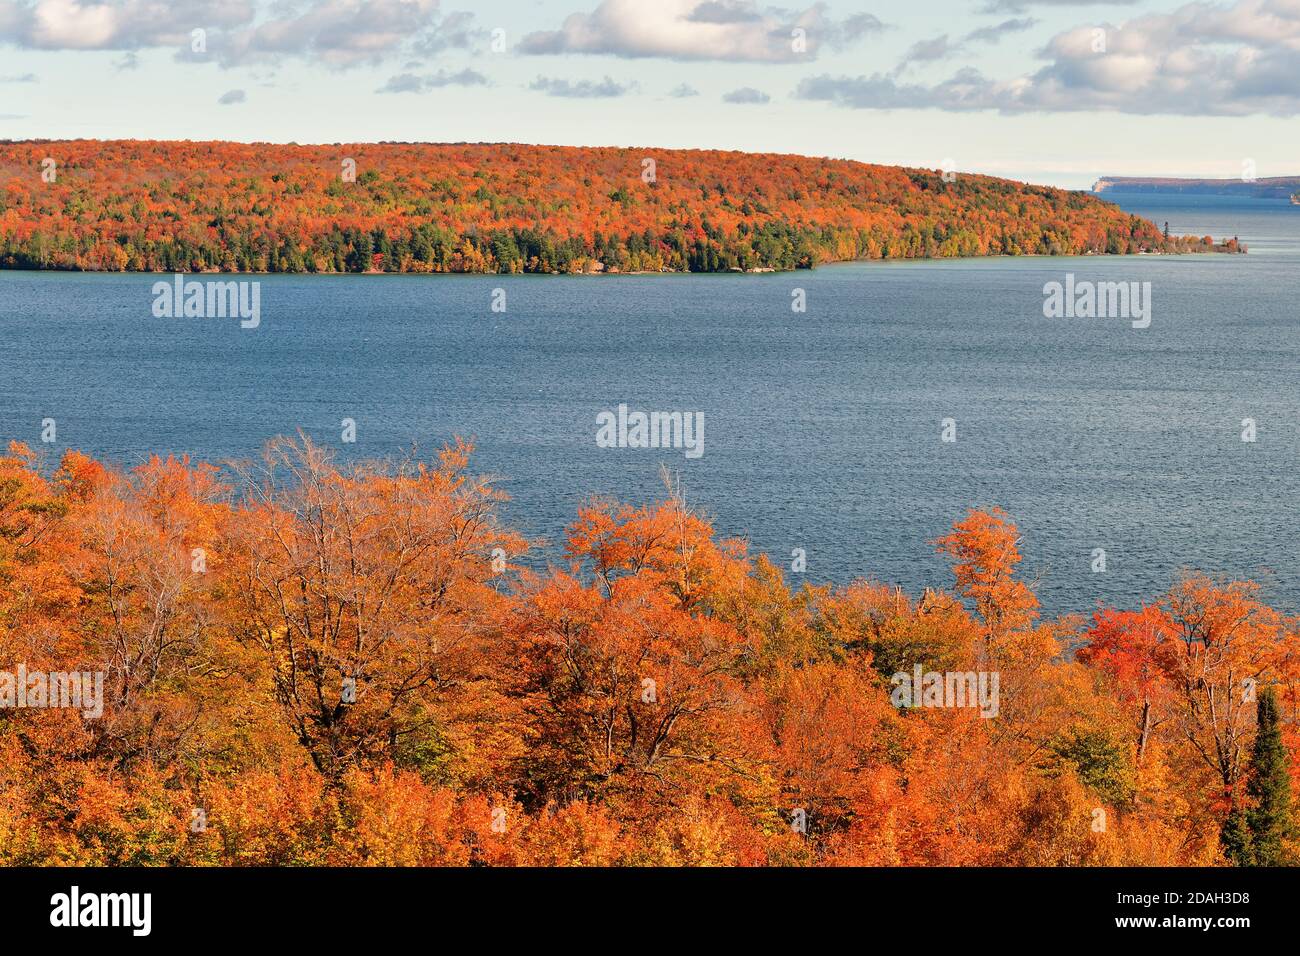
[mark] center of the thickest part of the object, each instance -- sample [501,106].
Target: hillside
[184,206]
[1277,187]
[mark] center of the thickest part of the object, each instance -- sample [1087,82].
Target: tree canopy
[310,664]
[505,208]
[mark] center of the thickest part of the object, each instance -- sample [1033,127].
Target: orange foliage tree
[307,665]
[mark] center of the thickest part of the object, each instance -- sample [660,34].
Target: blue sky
[1030,89]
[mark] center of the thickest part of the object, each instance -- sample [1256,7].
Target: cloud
[455,30]
[232,97]
[583,89]
[746,94]
[925,51]
[339,33]
[941,48]
[995,33]
[856,27]
[715,12]
[1232,59]
[967,90]
[114,24]
[336,33]
[683,90]
[1020,6]
[736,30]
[410,83]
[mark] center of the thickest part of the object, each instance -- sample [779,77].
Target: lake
[822,429]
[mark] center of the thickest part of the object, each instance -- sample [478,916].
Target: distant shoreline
[1281,188]
[1218,249]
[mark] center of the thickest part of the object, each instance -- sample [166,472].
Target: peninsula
[164,206]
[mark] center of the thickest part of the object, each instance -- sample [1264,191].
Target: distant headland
[181,206]
[1276,187]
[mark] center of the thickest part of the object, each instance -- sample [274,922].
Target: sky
[1036,90]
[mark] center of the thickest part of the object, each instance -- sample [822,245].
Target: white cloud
[737,30]
[1231,59]
[337,33]
[114,24]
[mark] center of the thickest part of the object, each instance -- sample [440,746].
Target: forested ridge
[411,207]
[304,664]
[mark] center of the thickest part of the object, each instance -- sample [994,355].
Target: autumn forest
[305,663]
[506,208]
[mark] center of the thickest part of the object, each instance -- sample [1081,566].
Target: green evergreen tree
[1269,817]
[1235,838]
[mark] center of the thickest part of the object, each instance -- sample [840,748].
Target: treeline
[304,665]
[503,208]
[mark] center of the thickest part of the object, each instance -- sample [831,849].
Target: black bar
[361,908]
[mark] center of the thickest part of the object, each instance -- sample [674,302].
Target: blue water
[822,429]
